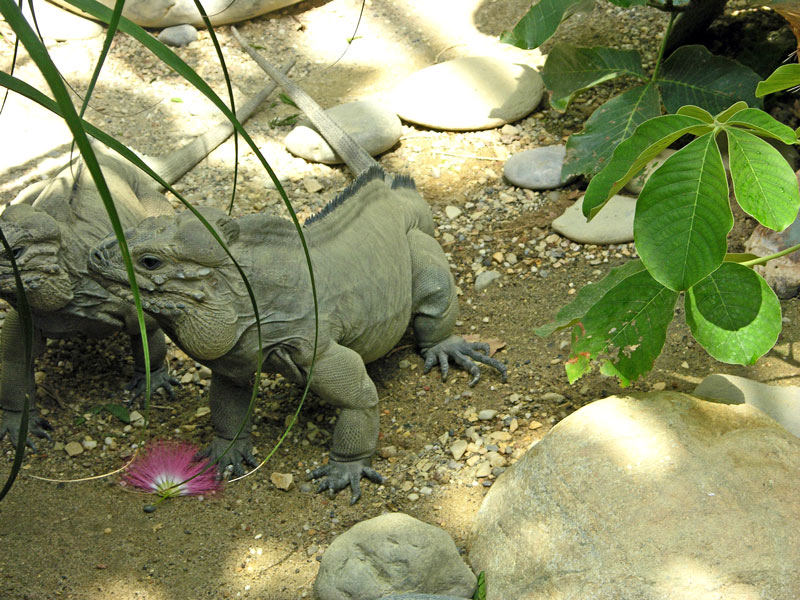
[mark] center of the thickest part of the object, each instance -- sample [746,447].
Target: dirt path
[92,540]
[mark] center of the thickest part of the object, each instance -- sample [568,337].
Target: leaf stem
[663,47]
[764,259]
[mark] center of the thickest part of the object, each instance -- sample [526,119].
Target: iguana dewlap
[51,227]
[377,269]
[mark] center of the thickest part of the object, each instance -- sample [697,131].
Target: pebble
[375,128]
[458,448]
[612,225]
[485,279]
[89,444]
[178,35]
[311,185]
[487,414]
[404,364]
[452,212]
[413,497]
[469,93]
[659,386]
[73,448]
[537,168]
[137,420]
[282,481]
[202,411]
[483,470]
[388,451]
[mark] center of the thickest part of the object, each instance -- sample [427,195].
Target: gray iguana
[51,226]
[377,268]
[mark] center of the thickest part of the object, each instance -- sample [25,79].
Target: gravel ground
[442,443]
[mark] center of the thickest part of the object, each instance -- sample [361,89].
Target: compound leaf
[763,124]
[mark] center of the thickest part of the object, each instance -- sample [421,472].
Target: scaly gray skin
[51,227]
[377,269]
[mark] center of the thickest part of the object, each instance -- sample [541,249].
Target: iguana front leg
[435,309]
[341,378]
[229,403]
[159,371]
[16,381]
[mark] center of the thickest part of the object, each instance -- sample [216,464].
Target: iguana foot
[463,353]
[338,475]
[159,379]
[12,420]
[238,453]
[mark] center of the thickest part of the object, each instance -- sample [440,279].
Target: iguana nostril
[97,256]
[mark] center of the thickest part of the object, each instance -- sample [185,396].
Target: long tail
[175,165]
[354,156]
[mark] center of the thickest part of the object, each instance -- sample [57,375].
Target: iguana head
[35,241]
[183,276]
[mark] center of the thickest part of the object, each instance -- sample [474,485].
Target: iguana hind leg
[16,381]
[435,310]
[340,378]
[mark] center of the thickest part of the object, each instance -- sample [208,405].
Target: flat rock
[782,274]
[612,225]
[782,403]
[485,279]
[164,13]
[635,185]
[369,123]
[392,554]
[538,168]
[660,496]
[55,23]
[463,94]
[178,35]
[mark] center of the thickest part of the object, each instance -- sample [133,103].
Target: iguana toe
[159,379]
[234,457]
[38,426]
[338,475]
[464,354]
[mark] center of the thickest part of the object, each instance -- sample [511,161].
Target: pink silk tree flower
[163,467]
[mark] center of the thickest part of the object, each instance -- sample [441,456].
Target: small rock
[413,497]
[202,411]
[458,448]
[187,378]
[73,448]
[487,414]
[312,185]
[282,481]
[659,386]
[375,128]
[612,225]
[554,397]
[498,257]
[485,279]
[538,168]
[452,212]
[178,35]
[404,364]
[137,420]
[534,425]
[89,444]
[388,451]
[469,93]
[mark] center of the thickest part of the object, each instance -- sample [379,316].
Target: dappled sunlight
[687,577]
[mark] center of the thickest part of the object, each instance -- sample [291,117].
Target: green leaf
[698,113]
[630,156]
[480,587]
[119,412]
[629,323]
[730,111]
[539,23]
[764,125]
[734,314]
[764,184]
[569,70]
[683,216]
[588,152]
[587,296]
[692,75]
[783,78]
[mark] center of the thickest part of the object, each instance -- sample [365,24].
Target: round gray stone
[178,35]
[612,225]
[659,496]
[538,168]
[463,94]
[165,13]
[392,554]
[369,123]
[485,279]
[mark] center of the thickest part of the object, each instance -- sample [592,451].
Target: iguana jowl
[377,268]
[51,226]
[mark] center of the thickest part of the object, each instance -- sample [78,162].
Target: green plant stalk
[765,259]
[662,49]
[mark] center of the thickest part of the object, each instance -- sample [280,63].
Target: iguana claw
[338,475]
[159,378]
[463,353]
[239,453]
[12,420]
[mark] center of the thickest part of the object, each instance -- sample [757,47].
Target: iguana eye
[17,252]
[150,262]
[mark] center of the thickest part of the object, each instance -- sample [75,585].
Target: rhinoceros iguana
[51,226]
[377,268]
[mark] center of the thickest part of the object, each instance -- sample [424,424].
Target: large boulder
[392,554]
[165,13]
[657,497]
